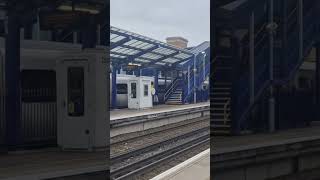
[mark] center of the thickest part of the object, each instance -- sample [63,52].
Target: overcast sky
[159,19]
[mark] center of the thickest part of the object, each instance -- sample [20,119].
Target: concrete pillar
[13,79]
[114,88]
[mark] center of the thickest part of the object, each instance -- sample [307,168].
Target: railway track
[130,137]
[195,139]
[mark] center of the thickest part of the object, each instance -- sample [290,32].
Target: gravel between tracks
[124,137]
[159,136]
[157,150]
[171,163]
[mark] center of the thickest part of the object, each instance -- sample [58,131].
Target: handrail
[171,88]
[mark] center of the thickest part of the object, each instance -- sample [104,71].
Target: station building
[180,74]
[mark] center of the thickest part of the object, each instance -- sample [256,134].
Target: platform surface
[126,113]
[50,164]
[246,142]
[197,167]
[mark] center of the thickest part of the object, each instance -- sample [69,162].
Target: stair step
[218,114]
[221,98]
[221,88]
[218,103]
[221,120]
[174,103]
[220,132]
[221,126]
[221,93]
[220,109]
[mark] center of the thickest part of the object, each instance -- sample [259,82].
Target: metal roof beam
[135,48]
[161,44]
[119,43]
[132,57]
[128,57]
[163,58]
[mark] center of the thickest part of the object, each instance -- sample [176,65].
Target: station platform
[239,143]
[126,121]
[129,113]
[279,155]
[197,167]
[50,163]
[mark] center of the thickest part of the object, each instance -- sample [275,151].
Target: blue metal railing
[288,68]
[187,96]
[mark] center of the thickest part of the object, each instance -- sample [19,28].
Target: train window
[133,90]
[145,90]
[122,89]
[38,86]
[75,91]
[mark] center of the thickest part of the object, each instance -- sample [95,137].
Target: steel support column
[317,78]
[156,82]
[114,87]
[165,78]
[252,93]
[194,79]
[13,78]
[271,54]
[188,76]
[300,22]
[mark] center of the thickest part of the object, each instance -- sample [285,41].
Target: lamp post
[271,27]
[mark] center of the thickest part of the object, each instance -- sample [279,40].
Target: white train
[122,89]
[60,104]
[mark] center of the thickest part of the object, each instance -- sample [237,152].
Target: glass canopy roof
[127,47]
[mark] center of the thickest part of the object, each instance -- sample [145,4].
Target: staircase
[175,97]
[220,99]
[231,107]
[221,109]
[174,93]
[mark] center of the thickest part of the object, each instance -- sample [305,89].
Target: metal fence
[39,122]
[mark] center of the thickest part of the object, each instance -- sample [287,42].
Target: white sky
[159,19]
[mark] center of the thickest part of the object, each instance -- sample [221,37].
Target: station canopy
[131,49]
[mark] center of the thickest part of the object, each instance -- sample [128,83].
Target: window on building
[146,91]
[38,86]
[133,90]
[122,89]
[76,91]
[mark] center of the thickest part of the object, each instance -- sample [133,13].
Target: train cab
[64,94]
